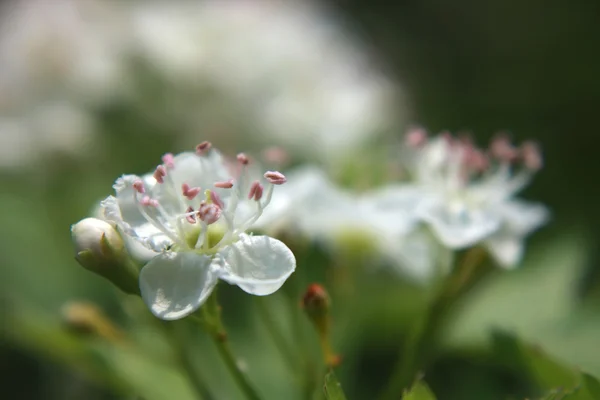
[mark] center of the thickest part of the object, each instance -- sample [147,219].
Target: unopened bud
[100,249]
[316,303]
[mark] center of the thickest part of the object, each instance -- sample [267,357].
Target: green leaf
[333,388]
[419,391]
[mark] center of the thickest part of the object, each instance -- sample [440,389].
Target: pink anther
[209,213]
[503,150]
[159,174]
[216,199]
[203,148]
[256,191]
[224,184]
[532,156]
[276,155]
[416,138]
[149,202]
[168,160]
[275,177]
[190,217]
[190,192]
[243,159]
[139,186]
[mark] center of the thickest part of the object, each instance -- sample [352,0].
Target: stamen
[416,138]
[149,202]
[190,215]
[203,148]
[139,187]
[190,192]
[160,173]
[243,159]
[276,155]
[256,191]
[275,177]
[216,199]
[168,160]
[209,213]
[503,150]
[224,184]
[532,157]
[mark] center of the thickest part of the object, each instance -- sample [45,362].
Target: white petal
[259,265]
[458,226]
[174,285]
[415,255]
[393,208]
[507,250]
[522,218]
[123,211]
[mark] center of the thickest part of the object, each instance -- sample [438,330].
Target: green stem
[211,320]
[276,335]
[185,361]
[417,347]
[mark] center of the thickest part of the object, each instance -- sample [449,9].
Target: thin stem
[211,313]
[276,335]
[185,360]
[417,346]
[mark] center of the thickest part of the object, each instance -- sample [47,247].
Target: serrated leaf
[333,388]
[419,391]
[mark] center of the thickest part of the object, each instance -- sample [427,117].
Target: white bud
[96,236]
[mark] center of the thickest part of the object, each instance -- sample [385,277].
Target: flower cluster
[193,211]
[461,194]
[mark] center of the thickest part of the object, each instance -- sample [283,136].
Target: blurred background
[90,90]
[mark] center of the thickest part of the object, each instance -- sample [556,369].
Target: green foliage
[419,391]
[333,387]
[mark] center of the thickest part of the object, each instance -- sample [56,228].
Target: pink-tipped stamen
[209,213]
[503,150]
[139,187]
[532,156]
[190,215]
[243,159]
[203,148]
[149,202]
[190,192]
[256,191]
[224,184]
[168,160]
[416,138]
[160,174]
[276,155]
[275,177]
[216,199]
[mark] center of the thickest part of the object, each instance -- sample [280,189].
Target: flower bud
[99,248]
[316,303]
[98,237]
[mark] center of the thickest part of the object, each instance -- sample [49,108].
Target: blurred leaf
[558,380]
[333,388]
[538,303]
[419,391]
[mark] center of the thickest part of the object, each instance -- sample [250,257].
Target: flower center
[207,225]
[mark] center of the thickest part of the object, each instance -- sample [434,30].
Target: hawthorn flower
[380,222]
[468,193]
[193,211]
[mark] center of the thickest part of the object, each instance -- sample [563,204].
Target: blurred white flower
[467,194]
[199,241]
[313,206]
[301,79]
[57,58]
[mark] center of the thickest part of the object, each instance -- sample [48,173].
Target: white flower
[288,65]
[382,220]
[467,194]
[199,235]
